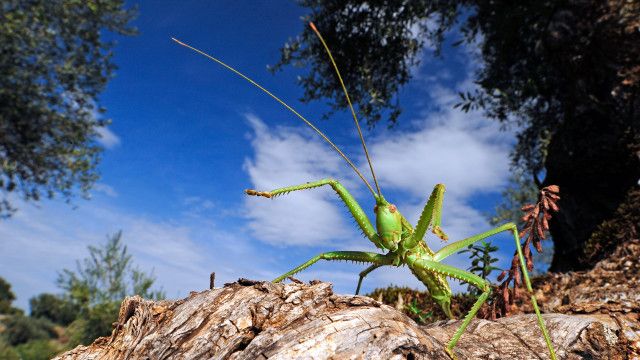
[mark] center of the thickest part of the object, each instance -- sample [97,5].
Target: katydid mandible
[393,233]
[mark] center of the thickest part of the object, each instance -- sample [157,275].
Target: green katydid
[393,232]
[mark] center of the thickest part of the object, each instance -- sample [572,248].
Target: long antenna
[283,104]
[346,94]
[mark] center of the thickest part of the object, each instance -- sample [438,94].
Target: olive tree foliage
[54,62]
[563,74]
[375,43]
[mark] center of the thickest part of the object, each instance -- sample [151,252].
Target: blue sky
[188,137]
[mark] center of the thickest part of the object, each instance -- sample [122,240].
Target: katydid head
[388,223]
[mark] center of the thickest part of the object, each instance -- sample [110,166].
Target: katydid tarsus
[403,244]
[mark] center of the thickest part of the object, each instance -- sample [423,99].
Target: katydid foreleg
[431,216]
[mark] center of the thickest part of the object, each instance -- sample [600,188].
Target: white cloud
[105,189]
[106,137]
[199,203]
[285,157]
[464,151]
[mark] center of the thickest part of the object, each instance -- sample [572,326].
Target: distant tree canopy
[6,297]
[54,62]
[53,307]
[565,73]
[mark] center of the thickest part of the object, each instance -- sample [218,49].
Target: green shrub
[6,298]
[7,352]
[54,308]
[38,349]
[21,329]
[98,322]
[481,256]
[75,332]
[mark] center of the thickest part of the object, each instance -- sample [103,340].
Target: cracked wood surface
[260,320]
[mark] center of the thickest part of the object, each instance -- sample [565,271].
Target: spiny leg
[431,216]
[453,248]
[457,246]
[459,274]
[364,273]
[354,208]
[361,256]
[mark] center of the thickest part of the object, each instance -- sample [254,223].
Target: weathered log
[259,320]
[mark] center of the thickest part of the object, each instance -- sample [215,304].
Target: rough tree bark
[264,320]
[259,320]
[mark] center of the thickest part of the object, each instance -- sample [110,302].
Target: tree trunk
[594,177]
[593,154]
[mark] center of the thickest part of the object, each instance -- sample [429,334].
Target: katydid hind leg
[357,256]
[455,247]
[534,302]
[455,273]
[511,227]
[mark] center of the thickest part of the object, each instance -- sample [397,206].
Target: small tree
[98,285]
[482,260]
[107,275]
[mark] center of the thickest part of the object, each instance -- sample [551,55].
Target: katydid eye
[392,208]
[375,209]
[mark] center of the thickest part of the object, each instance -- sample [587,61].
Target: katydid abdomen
[437,284]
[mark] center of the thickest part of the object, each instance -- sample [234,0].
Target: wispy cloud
[107,138]
[290,156]
[465,152]
[105,189]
